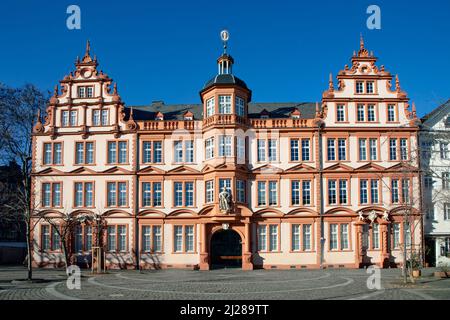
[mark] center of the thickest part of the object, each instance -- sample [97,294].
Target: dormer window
[69,118]
[295,114]
[368,86]
[264,116]
[159,116]
[188,116]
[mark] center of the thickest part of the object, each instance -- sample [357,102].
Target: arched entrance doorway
[226,249]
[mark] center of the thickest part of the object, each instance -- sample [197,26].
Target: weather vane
[224,35]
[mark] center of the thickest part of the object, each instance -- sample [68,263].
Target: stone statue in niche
[225,201]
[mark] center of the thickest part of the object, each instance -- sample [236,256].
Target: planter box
[441,274]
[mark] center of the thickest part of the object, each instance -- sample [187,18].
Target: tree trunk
[29,253]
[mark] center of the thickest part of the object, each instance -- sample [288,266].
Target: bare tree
[18,110]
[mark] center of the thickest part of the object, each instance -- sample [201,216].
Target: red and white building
[313,184]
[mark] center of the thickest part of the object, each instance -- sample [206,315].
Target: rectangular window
[178,241]
[446,180]
[392,149]
[240,110]
[225,146]
[273,237]
[209,147]
[261,193]
[157,238]
[78,238]
[45,237]
[225,183]
[178,146]
[89,92]
[151,194]
[65,118]
[407,227]
[56,239]
[152,157]
[373,149]
[446,211]
[46,194]
[78,194]
[391,113]
[209,191]
[112,239]
[403,149]
[225,104]
[240,191]
[122,243]
[240,149]
[56,194]
[146,238]
[342,153]
[294,150]
[333,236]
[189,194]
[396,235]
[273,193]
[147,151]
[261,150]
[305,150]
[371,113]
[428,181]
[361,116]
[295,193]
[96,117]
[306,237]
[73,118]
[340,113]
[394,191]
[84,194]
[362,150]
[47,153]
[363,199]
[81,92]
[87,238]
[157,151]
[306,192]
[369,87]
[117,152]
[84,153]
[272,144]
[146,194]
[365,237]
[344,237]
[117,194]
[105,117]
[100,117]
[210,105]
[359,87]
[189,238]
[262,238]
[331,149]
[178,187]
[405,191]
[374,191]
[331,191]
[375,236]
[295,236]
[444,150]
[343,191]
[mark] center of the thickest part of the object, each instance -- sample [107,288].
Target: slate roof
[436,111]
[225,79]
[176,111]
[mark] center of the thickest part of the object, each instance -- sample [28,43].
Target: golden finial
[88,48]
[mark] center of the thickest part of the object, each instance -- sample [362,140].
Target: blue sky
[284,50]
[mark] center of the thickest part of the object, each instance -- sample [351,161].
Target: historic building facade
[228,181]
[435,163]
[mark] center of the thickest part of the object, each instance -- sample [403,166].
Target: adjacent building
[229,181]
[435,161]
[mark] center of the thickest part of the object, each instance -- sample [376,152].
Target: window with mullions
[209,187]
[152,152]
[209,147]
[151,194]
[116,194]
[152,238]
[240,191]
[84,153]
[84,194]
[340,113]
[225,104]
[53,153]
[117,152]
[225,146]
[240,106]
[210,105]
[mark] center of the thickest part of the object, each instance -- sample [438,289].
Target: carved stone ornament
[373,216]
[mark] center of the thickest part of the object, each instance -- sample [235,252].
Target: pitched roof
[436,111]
[177,111]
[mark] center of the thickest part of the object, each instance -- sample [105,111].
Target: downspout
[136,204]
[322,235]
[420,172]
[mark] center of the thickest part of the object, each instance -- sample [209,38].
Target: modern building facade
[435,163]
[329,184]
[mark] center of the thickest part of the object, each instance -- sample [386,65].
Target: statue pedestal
[204,261]
[247,261]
